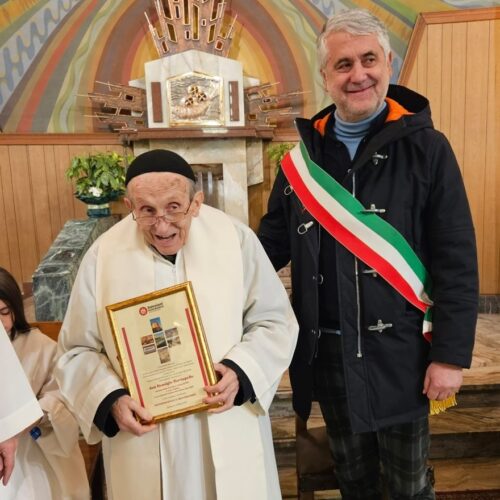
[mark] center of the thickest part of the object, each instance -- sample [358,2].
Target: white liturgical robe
[247,318]
[52,466]
[18,405]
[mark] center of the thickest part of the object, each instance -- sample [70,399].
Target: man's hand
[224,391]
[124,411]
[7,458]
[442,380]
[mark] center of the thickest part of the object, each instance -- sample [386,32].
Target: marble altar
[54,276]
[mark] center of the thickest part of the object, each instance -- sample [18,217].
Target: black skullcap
[159,160]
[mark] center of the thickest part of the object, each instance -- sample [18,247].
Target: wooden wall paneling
[494,150]
[446,79]
[104,148]
[407,75]
[468,113]
[9,248]
[118,207]
[476,112]
[434,83]
[462,15]
[40,197]
[64,187]
[52,190]
[4,243]
[79,208]
[36,199]
[457,115]
[490,279]
[24,210]
[422,65]
[60,139]
[411,76]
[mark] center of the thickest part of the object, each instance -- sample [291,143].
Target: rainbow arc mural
[52,51]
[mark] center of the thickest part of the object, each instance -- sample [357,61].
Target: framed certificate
[162,350]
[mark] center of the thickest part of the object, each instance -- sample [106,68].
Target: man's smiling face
[356,74]
[158,194]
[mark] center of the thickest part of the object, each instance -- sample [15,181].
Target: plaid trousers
[400,450]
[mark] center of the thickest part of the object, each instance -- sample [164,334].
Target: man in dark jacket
[372,212]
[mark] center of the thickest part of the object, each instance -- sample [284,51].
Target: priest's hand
[7,458]
[442,380]
[224,391]
[126,412]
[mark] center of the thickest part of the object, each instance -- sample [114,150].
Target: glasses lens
[151,220]
[174,216]
[146,220]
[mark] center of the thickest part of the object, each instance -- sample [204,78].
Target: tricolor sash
[366,235]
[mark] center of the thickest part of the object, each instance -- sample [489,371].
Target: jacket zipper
[359,354]
[316,348]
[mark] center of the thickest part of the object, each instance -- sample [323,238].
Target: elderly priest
[171,237]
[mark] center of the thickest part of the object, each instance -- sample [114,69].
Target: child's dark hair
[10,293]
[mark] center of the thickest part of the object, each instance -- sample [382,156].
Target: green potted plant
[277,151]
[99,179]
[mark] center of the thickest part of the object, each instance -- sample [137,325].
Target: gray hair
[355,22]
[193,188]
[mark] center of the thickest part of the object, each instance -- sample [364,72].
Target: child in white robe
[49,463]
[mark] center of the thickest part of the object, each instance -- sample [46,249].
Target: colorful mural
[52,51]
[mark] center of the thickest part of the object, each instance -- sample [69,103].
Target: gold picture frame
[163,351]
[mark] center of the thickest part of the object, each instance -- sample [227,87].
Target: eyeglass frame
[164,217]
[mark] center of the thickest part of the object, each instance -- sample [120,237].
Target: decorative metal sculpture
[191,24]
[195,99]
[123,108]
[266,109]
[192,98]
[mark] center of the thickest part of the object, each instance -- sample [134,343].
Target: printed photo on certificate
[163,351]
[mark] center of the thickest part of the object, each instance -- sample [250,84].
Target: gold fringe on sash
[437,407]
